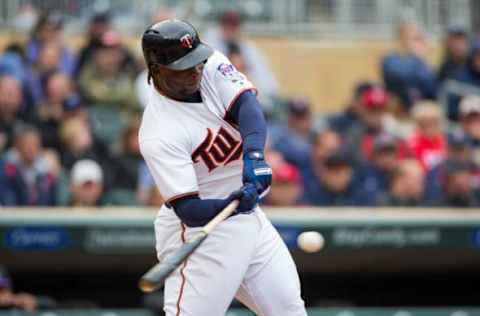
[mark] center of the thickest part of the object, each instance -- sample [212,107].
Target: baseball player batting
[203,136]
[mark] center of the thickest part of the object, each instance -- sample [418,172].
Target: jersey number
[222,150]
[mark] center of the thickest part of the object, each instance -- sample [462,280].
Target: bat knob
[146,286]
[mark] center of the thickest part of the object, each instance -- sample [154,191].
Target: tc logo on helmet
[187,41]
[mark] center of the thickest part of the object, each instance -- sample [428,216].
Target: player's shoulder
[219,69]
[158,123]
[216,63]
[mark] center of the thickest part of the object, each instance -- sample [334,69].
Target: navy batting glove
[257,172]
[247,197]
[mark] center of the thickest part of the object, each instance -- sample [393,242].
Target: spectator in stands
[86,183]
[12,62]
[467,78]
[455,56]
[78,143]
[458,149]
[375,173]
[406,73]
[36,75]
[359,137]
[325,143]
[128,158]
[103,82]
[10,300]
[454,186]
[333,184]
[471,73]
[428,143]
[286,188]
[61,101]
[349,117]
[10,105]
[406,186]
[230,31]
[293,142]
[27,173]
[48,31]
[470,122]
[100,24]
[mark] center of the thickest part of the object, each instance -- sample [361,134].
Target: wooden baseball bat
[154,278]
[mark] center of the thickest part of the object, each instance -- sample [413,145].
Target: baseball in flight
[310,241]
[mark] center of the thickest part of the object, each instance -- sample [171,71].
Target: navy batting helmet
[174,44]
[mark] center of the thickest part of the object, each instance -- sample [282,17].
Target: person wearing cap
[470,118]
[86,183]
[286,187]
[373,111]
[101,23]
[467,79]
[375,172]
[454,186]
[470,124]
[333,183]
[427,143]
[48,31]
[343,121]
[471,73]
[103,81]
[293,141]
[458,149]
[456,47]
[229,31]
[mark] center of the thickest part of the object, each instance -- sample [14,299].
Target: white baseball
[310,241]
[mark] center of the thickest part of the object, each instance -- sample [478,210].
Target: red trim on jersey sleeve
[228,117]
[238,95]
[179,196]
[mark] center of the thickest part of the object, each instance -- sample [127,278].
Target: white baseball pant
[244,257]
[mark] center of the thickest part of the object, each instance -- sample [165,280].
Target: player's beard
[177,90]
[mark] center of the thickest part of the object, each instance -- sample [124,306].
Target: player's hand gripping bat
[154,278]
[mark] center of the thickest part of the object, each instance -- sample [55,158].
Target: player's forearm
[195,212]
[247,112]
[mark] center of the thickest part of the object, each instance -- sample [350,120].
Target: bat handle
[226,212]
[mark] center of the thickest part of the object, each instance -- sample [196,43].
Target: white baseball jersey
[192,147]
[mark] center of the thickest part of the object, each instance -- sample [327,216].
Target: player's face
[179,84]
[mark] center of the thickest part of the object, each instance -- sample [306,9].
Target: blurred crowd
[69,124]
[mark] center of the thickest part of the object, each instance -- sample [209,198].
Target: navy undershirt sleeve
[247,113]
[195,212]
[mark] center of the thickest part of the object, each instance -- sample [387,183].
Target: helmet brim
[195,57]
